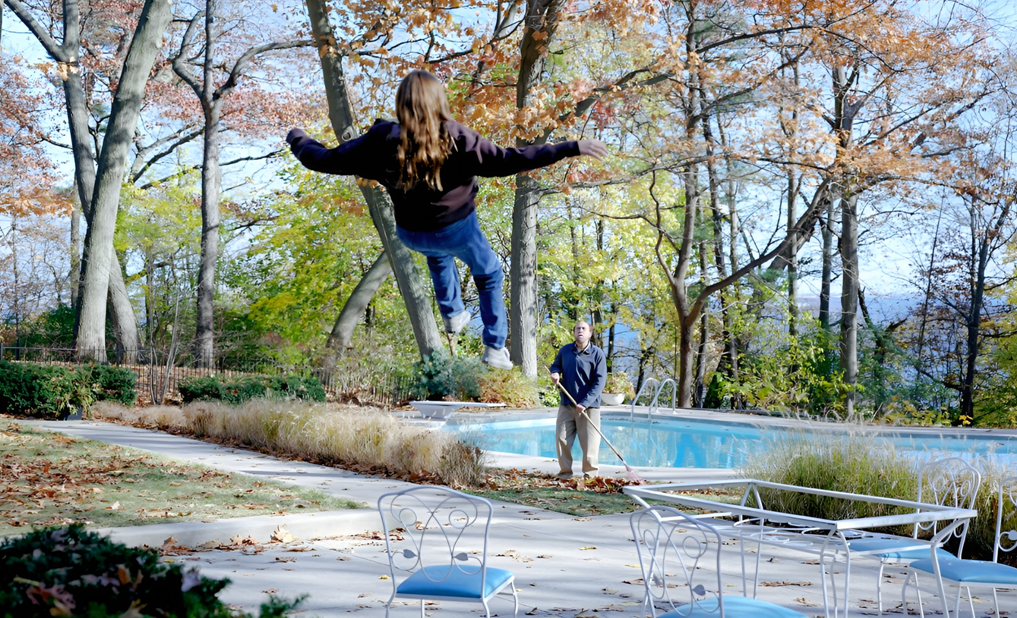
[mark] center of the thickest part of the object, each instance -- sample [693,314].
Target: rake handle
[592,424]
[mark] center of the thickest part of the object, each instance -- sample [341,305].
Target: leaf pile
[575,496]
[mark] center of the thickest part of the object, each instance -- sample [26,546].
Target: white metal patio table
[826,538]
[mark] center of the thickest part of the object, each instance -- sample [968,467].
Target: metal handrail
[656,396]
[674,394]
[642,387]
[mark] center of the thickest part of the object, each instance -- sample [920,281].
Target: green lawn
[51,479]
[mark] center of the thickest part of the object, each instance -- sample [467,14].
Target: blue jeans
[464,240]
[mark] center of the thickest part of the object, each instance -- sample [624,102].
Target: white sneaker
[496,357]
[456,322]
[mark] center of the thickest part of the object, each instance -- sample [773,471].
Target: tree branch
[186,43]
[52,48]
[238,67]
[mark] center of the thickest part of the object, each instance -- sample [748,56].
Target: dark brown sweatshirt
[421,209]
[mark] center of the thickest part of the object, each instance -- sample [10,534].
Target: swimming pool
[688,443]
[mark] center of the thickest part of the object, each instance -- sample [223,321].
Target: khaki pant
[570,424]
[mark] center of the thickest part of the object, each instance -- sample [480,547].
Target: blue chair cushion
[971,571]
[891,553]
[445,581]
[734,607]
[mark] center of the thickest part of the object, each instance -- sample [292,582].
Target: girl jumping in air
[428,162]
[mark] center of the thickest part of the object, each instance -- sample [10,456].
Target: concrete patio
[565,566]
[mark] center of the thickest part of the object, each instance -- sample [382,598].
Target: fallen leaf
[282,535]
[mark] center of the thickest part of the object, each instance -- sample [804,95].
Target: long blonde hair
[422,109]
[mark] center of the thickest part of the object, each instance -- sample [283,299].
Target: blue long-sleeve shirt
[583,374]
[373,156]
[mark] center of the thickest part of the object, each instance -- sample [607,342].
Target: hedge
[55,390]
[238,390]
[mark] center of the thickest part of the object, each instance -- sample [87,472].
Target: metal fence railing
[158,376]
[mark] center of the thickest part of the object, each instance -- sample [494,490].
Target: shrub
[69,571]
[45,390]
[238,390]
[55,390]
[508,387]
[111,383]
[440,376]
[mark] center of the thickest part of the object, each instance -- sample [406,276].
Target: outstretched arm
[492,160]
[349,158]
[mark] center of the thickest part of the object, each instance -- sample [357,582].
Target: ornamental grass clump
[861,463]
[982,533]
[349,437]
[845,462]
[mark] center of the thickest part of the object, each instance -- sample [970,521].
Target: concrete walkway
[565,566]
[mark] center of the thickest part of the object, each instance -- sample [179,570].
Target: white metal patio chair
[949,481]
[671,544]
[967,573]
[446,555]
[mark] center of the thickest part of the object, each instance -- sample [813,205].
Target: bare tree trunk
[75,251]
[355,306]
[849,297]
[211,187]
[733,350]
[523,277]
[704,340]
[66,53]
[155,18]
[610,337]
[827,277]
[792,262]
[541,19]
[686,314]
[340,113]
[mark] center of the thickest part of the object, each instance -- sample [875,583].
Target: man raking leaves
[428,162]
[582,367]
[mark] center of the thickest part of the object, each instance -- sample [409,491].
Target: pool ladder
[656,396]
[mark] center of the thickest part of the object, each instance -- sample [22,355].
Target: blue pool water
[684,443]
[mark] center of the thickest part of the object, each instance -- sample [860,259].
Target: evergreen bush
[56,390]
[441,376]
[72,572]
[238,390]
[44,390]
[111,383]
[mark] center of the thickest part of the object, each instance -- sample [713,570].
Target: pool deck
[565,566]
